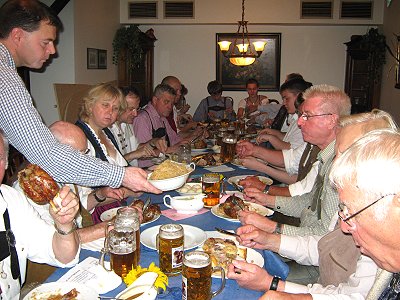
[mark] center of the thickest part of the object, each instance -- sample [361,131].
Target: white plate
[262,210]
[253,256]
[236,162]
[189,185]
[109,214]
[199,150]
[236,179]
[193,237]
[45,290]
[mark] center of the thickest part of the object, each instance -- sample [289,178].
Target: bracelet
[266,189]
[62,232]
[274,283]
[278,228]
[152,145]
[99,199]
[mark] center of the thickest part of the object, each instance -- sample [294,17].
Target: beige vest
[338,256]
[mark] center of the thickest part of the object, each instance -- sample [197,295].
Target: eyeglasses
[344,214]
[305,116]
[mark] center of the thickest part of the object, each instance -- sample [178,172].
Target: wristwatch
[266,189]
[99,199]
[274,283]
[62,232]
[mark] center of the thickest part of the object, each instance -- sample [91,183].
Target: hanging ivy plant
[375,44]
[127,38]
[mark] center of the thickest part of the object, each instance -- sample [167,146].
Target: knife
[237,187]
[226,232]
[146,204]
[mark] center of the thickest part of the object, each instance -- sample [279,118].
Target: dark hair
[214,87]
[252,81]
[126,90]
[27,15]
[184,90]
[291,76]
[295,85]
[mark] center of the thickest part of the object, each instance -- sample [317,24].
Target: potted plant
[375,44]
[126,45]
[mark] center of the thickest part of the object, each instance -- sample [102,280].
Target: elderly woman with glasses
[99,110]
[122,130]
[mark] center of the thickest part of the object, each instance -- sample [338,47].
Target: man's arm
[26,132]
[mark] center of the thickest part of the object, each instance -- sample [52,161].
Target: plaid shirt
[25,130]
[300,206]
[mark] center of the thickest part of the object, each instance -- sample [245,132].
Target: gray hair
[163,88]
[384,119]
[372,164]
[6,148]
[333,99]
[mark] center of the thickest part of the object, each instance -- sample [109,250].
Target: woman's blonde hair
[102,91]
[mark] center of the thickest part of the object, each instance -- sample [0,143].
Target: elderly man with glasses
[343,271]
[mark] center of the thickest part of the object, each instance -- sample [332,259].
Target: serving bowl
[172,183]
[185,204]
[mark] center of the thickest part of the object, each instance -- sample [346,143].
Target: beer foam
[196,261]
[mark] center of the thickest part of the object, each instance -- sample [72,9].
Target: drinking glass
[211,187]
[228,148]
[170,248]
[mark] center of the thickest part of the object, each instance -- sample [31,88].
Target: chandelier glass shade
[242,53]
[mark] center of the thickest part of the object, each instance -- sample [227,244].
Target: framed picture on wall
[102,55]
[92,58]
[266,69]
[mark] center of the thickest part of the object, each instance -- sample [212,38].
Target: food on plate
[71,295]
[251,129]
[151,211]
[194,188]
[39,186]
[223,251]
[251,178]
[169,169]
[232,206]
[199,144]
[208,159]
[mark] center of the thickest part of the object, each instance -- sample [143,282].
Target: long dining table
[207,222]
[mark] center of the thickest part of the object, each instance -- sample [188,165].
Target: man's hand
[253,237]
[145,150]
[274,295]
[251,276]
[254,195]
[244,148]
[161,144]
[253,218]
[108,192]
[252,181]
[66,213]
[252,163]
[136,180]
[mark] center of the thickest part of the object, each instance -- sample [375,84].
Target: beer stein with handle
[196,277]
[120,244]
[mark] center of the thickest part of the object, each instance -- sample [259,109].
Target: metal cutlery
[146,204]
[236,186]
[226,232]
[234,200]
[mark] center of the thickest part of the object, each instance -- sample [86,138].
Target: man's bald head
[69,134]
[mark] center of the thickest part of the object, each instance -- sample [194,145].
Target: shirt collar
[327,153]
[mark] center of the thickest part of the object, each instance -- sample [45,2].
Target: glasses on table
[344,214]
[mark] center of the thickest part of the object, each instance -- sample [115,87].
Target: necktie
[392,292]
[316,201]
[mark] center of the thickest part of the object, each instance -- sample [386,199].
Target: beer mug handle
[104,251]
[165,201]
[158,242]
[215,269]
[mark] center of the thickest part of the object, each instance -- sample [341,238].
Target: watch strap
[278,228]
[62,232]
[266,189]
[274,283]
[98,199]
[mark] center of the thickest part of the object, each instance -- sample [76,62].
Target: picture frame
[102,59]
[92,58]
[397,85]
[266,69]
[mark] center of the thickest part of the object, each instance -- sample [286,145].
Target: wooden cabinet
[140,75]
[363,90]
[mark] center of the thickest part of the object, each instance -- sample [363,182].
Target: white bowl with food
[185,204]
[170,175]
[190,188]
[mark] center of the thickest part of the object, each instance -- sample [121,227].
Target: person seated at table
[288,148]
[316,208]
[214,106]
[152,122]
[122,130]
[249,106]
[335,251]
[99,110]
[24,235]
[183,117]
[174,117]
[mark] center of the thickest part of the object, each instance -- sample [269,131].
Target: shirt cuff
[288,248]
[295,288]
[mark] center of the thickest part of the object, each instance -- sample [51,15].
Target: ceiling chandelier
[241,54]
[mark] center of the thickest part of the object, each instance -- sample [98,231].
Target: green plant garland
[127,38]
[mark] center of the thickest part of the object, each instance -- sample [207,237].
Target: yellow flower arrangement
[161,281]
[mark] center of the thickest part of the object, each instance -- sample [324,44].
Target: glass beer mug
[196,277]
[170,248]
[129,217]
[120,244]
[228,148]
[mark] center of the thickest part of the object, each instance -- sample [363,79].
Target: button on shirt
[300,206]
[25,130]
